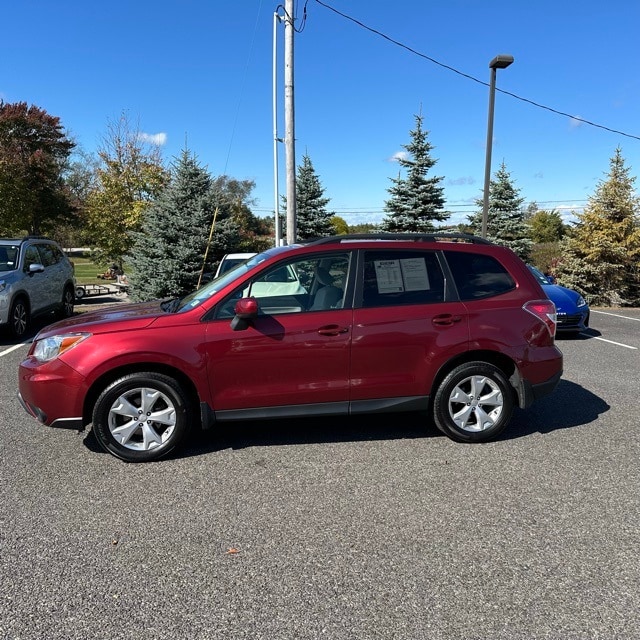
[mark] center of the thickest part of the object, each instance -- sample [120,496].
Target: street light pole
[499,62]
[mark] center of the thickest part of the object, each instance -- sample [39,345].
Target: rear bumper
[529,393]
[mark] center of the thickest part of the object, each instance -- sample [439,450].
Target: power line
[469,77]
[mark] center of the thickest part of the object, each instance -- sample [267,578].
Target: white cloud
[159,139]
[399,155]
[575,122]
[461,181]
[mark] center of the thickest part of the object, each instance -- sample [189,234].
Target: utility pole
[289,122]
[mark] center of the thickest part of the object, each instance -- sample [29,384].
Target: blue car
[572,308]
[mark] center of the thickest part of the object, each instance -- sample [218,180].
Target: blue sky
[199,73]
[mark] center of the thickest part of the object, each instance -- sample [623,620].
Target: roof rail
[442,236]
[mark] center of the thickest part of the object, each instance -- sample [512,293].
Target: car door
[293,353]
[404,326]
[54,274]
[35,283]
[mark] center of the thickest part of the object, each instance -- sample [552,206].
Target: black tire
[68,301]
[19,318]
[159,406]
[474,403]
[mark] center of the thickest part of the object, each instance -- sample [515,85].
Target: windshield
[540,277]
[195,299]
[8,257]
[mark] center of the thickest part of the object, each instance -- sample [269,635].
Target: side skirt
[357,407]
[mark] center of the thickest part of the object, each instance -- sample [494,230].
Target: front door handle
[332,330]
[446,320]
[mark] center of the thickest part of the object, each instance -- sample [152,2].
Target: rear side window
[401,277]
[48,254]
[478,276]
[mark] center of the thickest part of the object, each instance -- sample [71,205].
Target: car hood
[563,298]
[119,317]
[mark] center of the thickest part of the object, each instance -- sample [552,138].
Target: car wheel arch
[101,383]
[499,360]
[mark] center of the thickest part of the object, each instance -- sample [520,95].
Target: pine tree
[167,254]
[313,220]
[506,223]
[601,256]
[416,201]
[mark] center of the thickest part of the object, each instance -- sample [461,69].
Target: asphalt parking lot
[344,529]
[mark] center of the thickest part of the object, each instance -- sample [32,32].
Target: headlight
[2,285]
[50,348]
[580,301]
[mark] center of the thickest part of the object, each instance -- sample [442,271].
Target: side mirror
[245,309]
[35,267]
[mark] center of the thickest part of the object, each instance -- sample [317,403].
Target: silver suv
[36,277]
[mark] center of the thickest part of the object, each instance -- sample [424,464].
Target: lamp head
[501,62]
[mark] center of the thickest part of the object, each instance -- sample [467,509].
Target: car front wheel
[474,402]
[141,417]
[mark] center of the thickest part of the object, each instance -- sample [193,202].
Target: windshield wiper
[171,306]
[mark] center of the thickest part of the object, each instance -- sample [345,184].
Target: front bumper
[52,393]
[41,416]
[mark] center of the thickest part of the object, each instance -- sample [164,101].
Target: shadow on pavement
[568,407]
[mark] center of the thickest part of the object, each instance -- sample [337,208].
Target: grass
[87,271]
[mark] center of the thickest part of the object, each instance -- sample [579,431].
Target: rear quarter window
[478,276]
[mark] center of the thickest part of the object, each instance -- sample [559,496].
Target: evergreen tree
[313,220]
[546,226]
[416,201]
[601,256]
[506,223]
[168,252]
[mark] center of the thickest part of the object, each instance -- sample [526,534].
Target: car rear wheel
[19,318]
[141,417]
[474,402]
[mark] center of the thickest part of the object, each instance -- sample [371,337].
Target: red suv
[448,323]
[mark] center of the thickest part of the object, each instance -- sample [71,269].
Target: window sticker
[389,276]
[414,272]
[397,276]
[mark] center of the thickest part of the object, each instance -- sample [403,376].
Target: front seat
[328,296]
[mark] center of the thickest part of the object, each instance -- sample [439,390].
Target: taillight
[544,310]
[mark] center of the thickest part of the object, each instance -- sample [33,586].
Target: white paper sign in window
[389,276]
[414,272]
[396,276]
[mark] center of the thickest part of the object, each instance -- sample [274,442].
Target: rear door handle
[332,330]
[446,320]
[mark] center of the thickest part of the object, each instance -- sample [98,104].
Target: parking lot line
[10,349]
[616,315]
[618,344]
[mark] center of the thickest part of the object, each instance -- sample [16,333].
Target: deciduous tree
[34,149]
[131,174]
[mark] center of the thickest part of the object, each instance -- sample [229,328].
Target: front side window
[8,257]
[307,284]
[401,278]
[31,256]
